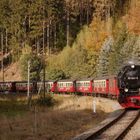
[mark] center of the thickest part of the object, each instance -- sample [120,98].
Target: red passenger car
[7,86]
[22,86]
[51,85]
[101,86]
[66,86]
[84,86]
[113,88]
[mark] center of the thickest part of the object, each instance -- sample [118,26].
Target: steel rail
[122,132]
[115,129]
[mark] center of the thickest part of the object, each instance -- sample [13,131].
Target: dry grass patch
[50,125]
[70,116]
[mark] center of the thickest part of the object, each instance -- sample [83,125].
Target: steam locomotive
[129,86]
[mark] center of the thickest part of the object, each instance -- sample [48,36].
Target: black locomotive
[129,85]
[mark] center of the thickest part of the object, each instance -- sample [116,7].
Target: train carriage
[22,86]
[40,86]
[7,86]
[101,86]
[113,87]
[84,86]
[66,86]
[51,85]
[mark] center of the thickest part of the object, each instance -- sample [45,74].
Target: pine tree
[102,66]
[127,49]
[136,51]
[115,58]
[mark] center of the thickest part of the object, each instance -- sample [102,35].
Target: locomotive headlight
[132,66]
[126,89]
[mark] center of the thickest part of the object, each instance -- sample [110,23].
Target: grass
[11,107]
[69,116]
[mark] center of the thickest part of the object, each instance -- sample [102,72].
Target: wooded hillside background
[73,38]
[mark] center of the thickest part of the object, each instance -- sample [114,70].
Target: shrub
[35,65]
[56,74]
[47,101]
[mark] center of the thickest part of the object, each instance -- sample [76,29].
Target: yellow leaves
[93,36]
[133,19]
[98,34]
[26,50]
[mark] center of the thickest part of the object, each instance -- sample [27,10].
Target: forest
[69,38]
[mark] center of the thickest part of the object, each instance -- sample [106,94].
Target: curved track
[116,129]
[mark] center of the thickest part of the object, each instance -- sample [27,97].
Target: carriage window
[48,85]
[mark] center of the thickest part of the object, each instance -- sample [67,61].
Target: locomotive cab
[129,86]
[129,79]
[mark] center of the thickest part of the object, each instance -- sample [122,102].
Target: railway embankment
[117,126]
[134,132]
[70,116]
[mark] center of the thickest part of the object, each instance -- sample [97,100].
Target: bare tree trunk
[48,37]
[87,11]
[6,41]
[37,46]
[43,37]
[51,39]
[2,65]
[55,35]
[68,24]
[81,13]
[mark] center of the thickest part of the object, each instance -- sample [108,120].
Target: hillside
[12,73]
[88,36]
[133,18]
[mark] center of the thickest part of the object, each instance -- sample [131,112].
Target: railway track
[116,129]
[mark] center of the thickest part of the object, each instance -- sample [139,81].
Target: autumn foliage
[133,19]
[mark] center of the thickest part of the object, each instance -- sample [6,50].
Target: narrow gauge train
[129,86]
[101,86]
[125,87]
